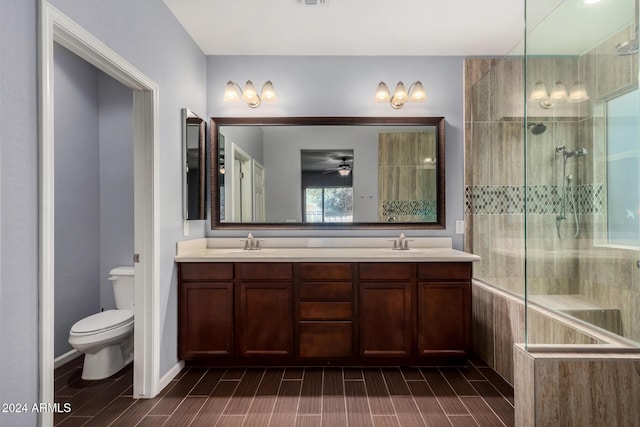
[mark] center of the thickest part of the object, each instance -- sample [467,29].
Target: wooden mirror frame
[438,122]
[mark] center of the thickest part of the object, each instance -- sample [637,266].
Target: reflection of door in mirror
[407,176]
[238,188]
[259,212]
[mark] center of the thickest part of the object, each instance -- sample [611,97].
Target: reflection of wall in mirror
[407,177]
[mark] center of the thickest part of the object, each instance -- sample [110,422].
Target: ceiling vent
[312,2]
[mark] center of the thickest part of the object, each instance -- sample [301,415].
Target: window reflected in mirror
[327,185]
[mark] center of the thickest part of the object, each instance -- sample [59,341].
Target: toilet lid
[104,320]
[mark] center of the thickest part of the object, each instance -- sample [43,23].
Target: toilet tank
[122,279]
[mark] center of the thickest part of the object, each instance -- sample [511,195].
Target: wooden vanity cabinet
[396,313]
[325,310]
[205,310]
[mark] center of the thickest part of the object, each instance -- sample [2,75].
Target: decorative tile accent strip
[541,199]
[418,210]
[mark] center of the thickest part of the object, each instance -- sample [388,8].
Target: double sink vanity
[340,301]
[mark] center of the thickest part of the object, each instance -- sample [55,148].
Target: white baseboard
[171,374]
[66,358]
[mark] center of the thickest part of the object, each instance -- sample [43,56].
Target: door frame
[56,27]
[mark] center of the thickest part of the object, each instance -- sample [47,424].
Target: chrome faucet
[251,244]
[401,243]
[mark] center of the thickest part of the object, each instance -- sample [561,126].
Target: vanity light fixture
[400,95]
[559,93]
[234,93]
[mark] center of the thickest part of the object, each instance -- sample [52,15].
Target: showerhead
[627,48]
[630,47]
[537,128]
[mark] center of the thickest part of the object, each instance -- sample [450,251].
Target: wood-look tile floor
[407,397]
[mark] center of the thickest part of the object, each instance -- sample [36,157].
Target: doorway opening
[55,27]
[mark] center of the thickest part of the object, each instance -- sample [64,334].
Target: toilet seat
[101,322]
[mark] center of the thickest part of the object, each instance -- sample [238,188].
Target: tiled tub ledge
[565,388]
[602,340]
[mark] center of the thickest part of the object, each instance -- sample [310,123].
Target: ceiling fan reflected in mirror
[344,168]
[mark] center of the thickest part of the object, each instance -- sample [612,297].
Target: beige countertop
[326,250]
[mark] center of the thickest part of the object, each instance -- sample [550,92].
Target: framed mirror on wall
[193,166]
[327,173]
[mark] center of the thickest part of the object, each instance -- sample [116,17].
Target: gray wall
[178,66]
[345,86]
[77,194]
[18,208]
[115,108]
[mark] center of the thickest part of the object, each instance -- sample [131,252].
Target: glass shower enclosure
[552,174]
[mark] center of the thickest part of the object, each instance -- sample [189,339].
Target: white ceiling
[385,27]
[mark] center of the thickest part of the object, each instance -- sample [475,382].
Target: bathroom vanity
[330,305]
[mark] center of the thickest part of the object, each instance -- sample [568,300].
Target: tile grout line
[502,424]
[366,393]
[275,400]
[491,382]
[413,398]
[436,396]
[230,397]
[186,394]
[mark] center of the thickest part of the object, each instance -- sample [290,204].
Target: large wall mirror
[193,161]
[327,172]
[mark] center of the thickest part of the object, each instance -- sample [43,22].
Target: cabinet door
[206,320]
[265,320]
[385,319]
[444,318]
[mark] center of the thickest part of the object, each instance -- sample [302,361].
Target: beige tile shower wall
[494,158]
[573,389]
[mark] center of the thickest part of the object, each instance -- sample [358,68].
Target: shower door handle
[638,263]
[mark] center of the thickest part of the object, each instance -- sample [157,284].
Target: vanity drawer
[325,311]
[325,290]
[203,271]
[387,271]
[445,271]
[325,271]
[265,270]
[325,339]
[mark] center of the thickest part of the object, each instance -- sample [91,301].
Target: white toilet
[106,338]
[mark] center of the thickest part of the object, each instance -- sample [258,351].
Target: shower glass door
[582,145]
